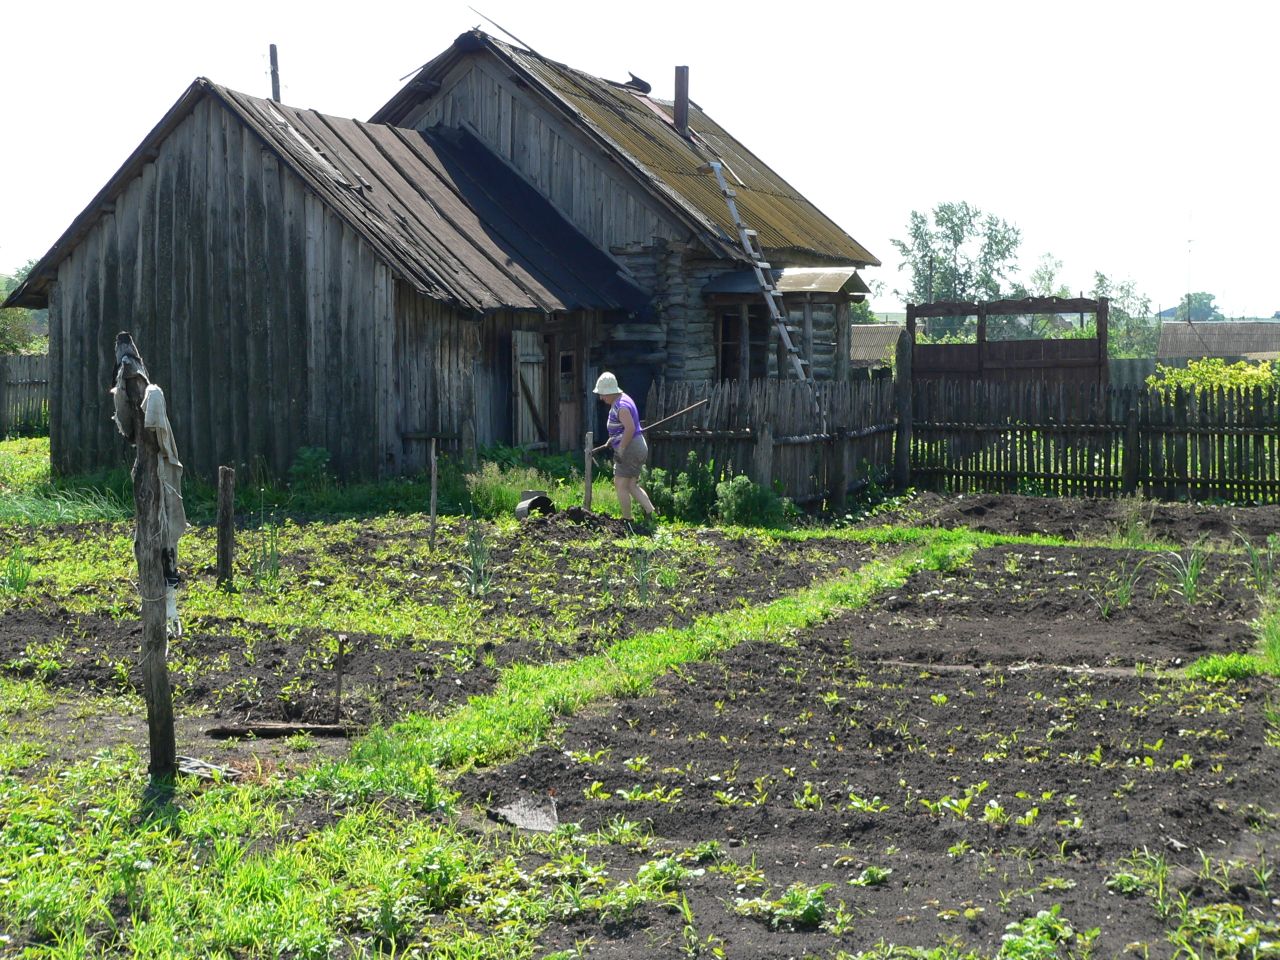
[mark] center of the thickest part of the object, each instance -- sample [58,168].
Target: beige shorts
[628,463]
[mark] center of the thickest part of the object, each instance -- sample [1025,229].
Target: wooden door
[529,389]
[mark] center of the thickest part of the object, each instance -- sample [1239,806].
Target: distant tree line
[958,252]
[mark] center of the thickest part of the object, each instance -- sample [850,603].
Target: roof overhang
[824,280]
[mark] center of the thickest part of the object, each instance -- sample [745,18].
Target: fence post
[902,400]
[1129,468]
[4,397]
[226,526]
[762,457]
[838,471]
[587,464]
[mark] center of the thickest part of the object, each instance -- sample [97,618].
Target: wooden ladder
[750,241]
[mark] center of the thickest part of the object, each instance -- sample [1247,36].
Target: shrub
[310,470]
[1212,373]
[691,497]
[745,503]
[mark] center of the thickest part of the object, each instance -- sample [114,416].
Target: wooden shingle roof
[445,214]
[639,131]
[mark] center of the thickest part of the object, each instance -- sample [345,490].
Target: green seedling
[1264,562]
[15,574]
[872,876]
[1184,571]
[477,568]
[809,799]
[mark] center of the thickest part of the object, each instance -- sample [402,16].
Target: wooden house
[459,267]
[1232,340]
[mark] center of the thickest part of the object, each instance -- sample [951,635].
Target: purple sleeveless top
[614,424]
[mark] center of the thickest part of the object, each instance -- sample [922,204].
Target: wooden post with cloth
[142,417]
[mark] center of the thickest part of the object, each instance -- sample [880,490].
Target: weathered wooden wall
[610,209]
[24,394]
[561,162]
[265,318]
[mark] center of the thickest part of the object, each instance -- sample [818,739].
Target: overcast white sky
[1136,138]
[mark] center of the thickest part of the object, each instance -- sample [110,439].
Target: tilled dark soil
[857,746]
[1072,606]
[291,673]
[1076,518]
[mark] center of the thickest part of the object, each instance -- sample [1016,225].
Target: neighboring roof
[873,343]
[791,280]
[440,209]
[639,131]
[1219,338]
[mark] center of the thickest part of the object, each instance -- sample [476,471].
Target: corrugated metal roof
[791,280]
[439,208]
[640,131]
[1218,338]
[873,343]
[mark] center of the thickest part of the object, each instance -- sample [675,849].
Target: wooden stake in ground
[587,464]
[150,546]
[226,526]
[432,540]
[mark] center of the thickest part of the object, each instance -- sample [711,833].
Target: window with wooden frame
[742,341]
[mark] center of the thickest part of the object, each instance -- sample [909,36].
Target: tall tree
[1131,330]
[1198,307]
[957,253]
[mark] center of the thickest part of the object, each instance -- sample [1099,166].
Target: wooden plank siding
[267,320]
[558,160]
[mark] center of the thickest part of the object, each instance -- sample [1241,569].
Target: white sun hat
[607,384]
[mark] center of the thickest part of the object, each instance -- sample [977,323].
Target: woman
[630,450]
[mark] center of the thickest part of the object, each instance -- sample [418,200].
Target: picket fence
[818,443]
[24,394]
[1091,440]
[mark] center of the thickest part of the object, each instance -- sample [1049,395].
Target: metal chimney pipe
[682,101]
[275,75]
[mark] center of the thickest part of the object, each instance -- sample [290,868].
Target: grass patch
[1225,666]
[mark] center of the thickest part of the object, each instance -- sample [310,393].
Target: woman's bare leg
[623,487]
[641,497]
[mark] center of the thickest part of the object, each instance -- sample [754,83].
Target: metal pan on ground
[534,501]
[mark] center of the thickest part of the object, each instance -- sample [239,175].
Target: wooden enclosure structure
[24,393]
[1068,360]
[458,269]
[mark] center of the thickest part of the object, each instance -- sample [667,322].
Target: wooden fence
[1091,440]
[814,444]
[24,394]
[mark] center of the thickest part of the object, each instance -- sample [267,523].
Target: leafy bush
[1212,373]
[690,497]
[745,503]
[310,470]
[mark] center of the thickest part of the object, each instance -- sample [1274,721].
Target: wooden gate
[529,389]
